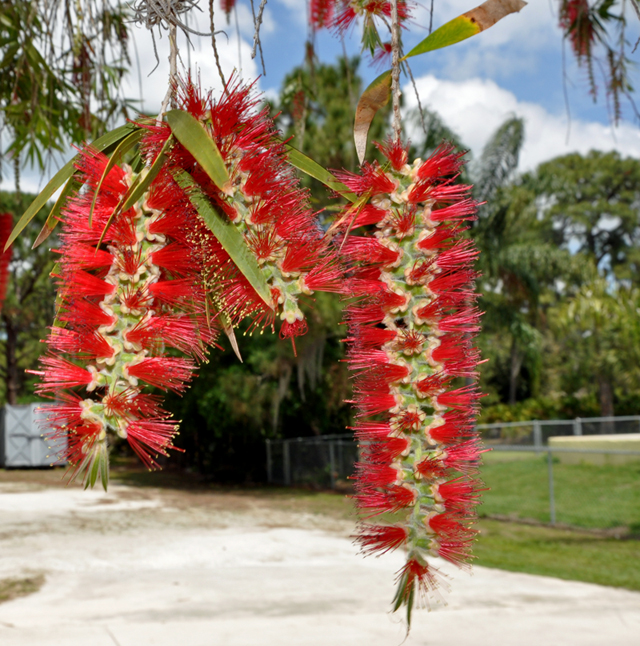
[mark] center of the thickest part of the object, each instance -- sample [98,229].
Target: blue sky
[513,68]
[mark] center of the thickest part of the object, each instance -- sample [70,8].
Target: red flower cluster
[265,202]
[576,22]
[155,276]
[341,16]
[129,286]
[6,224]
[410,342]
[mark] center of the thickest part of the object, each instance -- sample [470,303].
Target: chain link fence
[588,475]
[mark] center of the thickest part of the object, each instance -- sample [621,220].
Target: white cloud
[199,59]
[511,46]
[475,108]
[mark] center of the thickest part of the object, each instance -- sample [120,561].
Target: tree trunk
[12,376]
[605,397]
[514,370]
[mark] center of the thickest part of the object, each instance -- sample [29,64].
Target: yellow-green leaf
[62,176]
[136,191]
[51,223]
[193,136]
[313,169]
[468,24]
[228,235]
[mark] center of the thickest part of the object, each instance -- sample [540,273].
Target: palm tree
[518,261]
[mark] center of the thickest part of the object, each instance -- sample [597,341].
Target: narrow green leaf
[54,184]
[94,467]
[193,136]
[228,235]
[315,170]
[61,177]
[51,223]
[116,157]
[119,206]
[468,24]
[104,467]
[136,192]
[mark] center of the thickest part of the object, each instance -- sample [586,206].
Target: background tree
[592,204]
[28,308]
[62,65]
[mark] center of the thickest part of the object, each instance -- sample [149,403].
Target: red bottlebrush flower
[321,13]
[415,581]
[373,180]
[444,162]
[149,437]
[395,152]
[6,224]
[382,58]
[167,373]
[379,539]
[448,527]
[262,199]
[410,335]
[60,373]
[118,315]
[227,6]
[458,495]
[579,26]
[392,499]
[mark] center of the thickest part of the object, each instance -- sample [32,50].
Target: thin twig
[173,73]
[235,16]
[415,89]
[257,21]
[431,18]
[215,45]
[395,71]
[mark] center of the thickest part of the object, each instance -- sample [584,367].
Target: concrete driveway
[140,567]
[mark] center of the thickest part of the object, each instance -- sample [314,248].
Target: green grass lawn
[586,495]
[565,554]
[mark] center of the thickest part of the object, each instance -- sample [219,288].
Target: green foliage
[591,203]
[317,104]
[62,65]
[586,495]
[232,407]
[564,554]
[28,308]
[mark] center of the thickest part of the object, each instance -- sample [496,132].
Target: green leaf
[315,170]
[228,235]
[468,24]
[116,157]
[51,223]
[193,136]
[136,191]
[62,176]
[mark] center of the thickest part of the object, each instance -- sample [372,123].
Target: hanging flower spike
[6,224]
[114,325]
[321,13]
[371,12]
[264,201]
[410,337]
[577,23]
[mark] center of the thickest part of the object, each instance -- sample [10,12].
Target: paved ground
[142,567]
